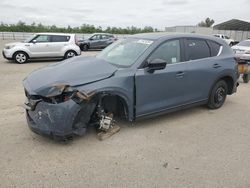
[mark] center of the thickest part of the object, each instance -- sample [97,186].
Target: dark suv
[97,41]
[143,75]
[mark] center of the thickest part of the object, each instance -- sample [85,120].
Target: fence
[24,35]
[236,35]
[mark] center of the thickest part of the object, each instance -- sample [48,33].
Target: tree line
[85,28]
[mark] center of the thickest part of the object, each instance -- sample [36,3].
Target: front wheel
[20,57]
[69,54]
[218,95]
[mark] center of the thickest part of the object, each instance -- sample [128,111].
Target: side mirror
[156,64]
[34,41]
[91,39]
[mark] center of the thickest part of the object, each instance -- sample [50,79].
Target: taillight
[76,41]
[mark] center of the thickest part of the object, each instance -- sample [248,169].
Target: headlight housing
[10,46]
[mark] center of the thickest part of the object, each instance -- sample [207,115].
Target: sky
[122,13]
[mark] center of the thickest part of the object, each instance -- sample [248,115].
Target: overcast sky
[122,13]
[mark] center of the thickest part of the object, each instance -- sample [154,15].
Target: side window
[42,38]
[58,38]
[105,37]
[197,49]
[168,51]
[215,48]
[95,37]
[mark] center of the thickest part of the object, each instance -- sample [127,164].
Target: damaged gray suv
[143,75]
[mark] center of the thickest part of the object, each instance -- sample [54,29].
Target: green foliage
[207,23]
[85,28]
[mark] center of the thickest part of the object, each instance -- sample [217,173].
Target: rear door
[58,42]
[202,68]
[162,89]
[105,40]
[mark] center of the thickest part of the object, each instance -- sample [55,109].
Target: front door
[162,89]
[40,46]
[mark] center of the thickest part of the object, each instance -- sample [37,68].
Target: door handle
[216,65]
[180,74]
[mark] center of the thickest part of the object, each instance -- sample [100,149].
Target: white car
[242,50]
[43,45]
[228,40]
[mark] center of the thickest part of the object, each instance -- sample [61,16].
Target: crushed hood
[72,72]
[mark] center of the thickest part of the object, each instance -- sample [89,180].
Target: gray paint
[144,93]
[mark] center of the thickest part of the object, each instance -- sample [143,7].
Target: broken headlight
[76,96]
[65,96]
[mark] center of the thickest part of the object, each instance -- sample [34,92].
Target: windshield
[29,39]
[244,43]
[124,53]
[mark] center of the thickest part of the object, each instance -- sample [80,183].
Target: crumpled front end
[63,114]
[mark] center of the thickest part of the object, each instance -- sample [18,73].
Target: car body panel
[144,93]
[98,40]
[42,49]
[73,72]
[242,52]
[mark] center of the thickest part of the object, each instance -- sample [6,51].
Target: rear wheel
[84,47]
[218,95]
[69,54]
[246,78]
[20,57]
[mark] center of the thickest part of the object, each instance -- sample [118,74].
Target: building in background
[237,29]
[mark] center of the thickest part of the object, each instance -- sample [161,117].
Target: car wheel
[218,95]
[20,57]
[231,44]
[69,54]
[246,78]
[84,47]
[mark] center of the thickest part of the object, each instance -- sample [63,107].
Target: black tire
[70,54]
[246,78]
[218,95]
[231,44]
[84,47]
[20,57]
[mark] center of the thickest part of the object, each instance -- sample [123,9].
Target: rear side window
[58,38]
[215,48]
[105,36]
[197,49]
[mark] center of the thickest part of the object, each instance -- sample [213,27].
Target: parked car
[242,50]
[97,41]
[141,76]
[242,53]
[228,40]
[43,45]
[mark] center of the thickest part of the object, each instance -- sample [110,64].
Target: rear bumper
[242,57]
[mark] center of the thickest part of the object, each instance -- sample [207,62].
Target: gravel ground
[192,148]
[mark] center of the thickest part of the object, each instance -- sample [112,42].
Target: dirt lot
[192,148]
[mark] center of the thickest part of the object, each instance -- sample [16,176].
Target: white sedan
[242,50]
